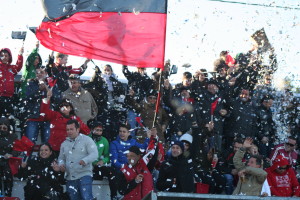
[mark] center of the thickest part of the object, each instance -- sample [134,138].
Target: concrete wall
[100,189]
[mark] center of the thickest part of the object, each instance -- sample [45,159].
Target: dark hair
[46,144]
[67,102]
[204,71]
[187,75]
[238,140]
[73,121]
[292,138]
[135,149]
[267,97]
[127,126]
[223,53]
[109,67]
[5,51]
[259,160]
[96,124]
[42,67]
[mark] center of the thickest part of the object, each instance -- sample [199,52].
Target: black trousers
[7,178]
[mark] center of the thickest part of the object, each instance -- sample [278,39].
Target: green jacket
[103,150]
[29,71]
[254,178]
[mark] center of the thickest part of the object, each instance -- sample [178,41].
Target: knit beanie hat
[186,137]
[179,143]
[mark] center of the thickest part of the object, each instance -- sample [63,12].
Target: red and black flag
[129,32]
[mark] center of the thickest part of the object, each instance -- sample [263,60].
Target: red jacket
[7,74]
[143,188]
[285,184]
[58,123]
[290,156]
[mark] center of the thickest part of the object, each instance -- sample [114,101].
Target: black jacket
[41,178]
[241,120]
[6,146]
[178,168]
[141,85]
[266,125]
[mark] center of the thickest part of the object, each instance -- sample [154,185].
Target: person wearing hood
[7,139]
[282,178]
[123,142]
[42,181]
[33,62]
[251,175]
[176,174]
[7,76]
[101,166]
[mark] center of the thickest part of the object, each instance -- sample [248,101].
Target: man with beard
[6,151]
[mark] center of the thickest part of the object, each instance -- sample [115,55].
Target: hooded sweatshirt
[282,184]
[7,74]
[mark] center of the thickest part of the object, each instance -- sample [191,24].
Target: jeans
[229,184]
[132,122]
[33,128]
[80,189]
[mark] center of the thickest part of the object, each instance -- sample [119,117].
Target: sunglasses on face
[152,97]
[291,145]
[282,168]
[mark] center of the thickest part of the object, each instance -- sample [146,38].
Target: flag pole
[161,71]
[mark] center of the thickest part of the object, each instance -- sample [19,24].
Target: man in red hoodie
[282,179]
[7,75]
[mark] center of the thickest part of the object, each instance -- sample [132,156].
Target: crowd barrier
[191,196]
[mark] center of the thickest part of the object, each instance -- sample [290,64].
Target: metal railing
[191,196]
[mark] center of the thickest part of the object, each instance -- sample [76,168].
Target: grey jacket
[84,104]
[72,151]
[254,178]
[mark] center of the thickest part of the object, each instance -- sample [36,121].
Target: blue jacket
[118,150]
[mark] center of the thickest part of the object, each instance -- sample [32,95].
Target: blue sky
[197,31]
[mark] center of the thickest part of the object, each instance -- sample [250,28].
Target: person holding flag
[212,113]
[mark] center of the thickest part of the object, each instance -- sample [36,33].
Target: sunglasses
[152,97]
[291,145]
[282,168]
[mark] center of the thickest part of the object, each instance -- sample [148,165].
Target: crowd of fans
[206,135]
